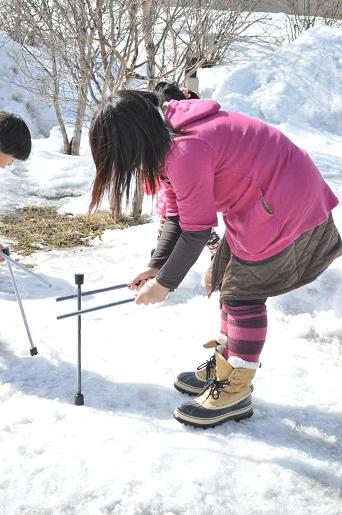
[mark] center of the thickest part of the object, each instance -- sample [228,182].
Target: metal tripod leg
[33,349]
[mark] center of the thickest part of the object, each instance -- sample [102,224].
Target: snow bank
[299,83]
[14,98]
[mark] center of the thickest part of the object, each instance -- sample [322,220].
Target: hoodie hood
[182,112]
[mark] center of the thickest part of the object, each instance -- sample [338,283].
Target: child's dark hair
[171,91]
[15,137]
[129,137]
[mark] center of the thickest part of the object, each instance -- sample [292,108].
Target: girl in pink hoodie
[275,205]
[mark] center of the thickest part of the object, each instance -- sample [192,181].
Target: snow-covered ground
[122,453]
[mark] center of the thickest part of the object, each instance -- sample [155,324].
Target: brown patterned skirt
[300,263]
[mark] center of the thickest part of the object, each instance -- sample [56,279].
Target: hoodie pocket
[265,204]
[254,228]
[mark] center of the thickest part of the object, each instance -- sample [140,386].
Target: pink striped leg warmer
[224,317]
[247,328]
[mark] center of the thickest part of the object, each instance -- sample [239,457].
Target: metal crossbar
[93,292]
[96,308]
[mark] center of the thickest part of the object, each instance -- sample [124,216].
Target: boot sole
[185,389]
[207,423]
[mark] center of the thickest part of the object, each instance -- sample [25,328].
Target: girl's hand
[139,281]
[151,293]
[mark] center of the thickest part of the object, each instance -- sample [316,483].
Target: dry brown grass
[35,228]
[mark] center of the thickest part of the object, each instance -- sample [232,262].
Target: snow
[123,453]
[13,95]
[298,83]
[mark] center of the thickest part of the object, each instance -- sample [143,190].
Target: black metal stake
[79,280]
[79,398]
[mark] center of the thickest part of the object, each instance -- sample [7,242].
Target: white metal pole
[33,349]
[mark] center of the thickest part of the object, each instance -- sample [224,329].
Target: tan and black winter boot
[227,396]
[193,383]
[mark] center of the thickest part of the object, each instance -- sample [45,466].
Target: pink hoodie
[268,190]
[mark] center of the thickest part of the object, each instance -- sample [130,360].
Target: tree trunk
[150,73]
[66,142]
[116,215]
[137,200]
[76,138]
[149,43]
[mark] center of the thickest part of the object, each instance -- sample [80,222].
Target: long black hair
[129,137]
[171,91]
[15,137]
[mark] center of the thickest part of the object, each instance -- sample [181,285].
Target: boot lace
[208,365]
[215,387]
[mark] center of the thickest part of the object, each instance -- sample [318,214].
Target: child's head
[129,137]
[15,139]
[171,91]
